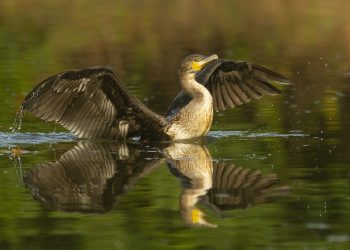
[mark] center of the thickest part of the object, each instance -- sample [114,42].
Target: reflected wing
[90,177]
[237,187]
[91,103]
[232,84]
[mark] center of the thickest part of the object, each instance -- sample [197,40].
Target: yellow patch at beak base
[196,66]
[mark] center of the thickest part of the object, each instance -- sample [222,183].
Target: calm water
[273,174]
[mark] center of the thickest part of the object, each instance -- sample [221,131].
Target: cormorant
[94,103]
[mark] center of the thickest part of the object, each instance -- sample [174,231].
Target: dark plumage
[94,103]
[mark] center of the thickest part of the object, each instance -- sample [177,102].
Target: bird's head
[195,63]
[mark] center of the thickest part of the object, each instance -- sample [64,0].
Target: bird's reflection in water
[92,176]
[218,185]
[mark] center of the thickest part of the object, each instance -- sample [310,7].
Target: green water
[112,196]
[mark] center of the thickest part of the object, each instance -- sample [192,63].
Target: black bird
[94,103]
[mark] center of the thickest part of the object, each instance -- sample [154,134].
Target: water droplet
[17,124]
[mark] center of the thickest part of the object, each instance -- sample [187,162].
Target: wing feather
[226,96]
[268,88]
[231,95]
[215,100]
[235,97]
[219,97]
[244,98]
[249,91]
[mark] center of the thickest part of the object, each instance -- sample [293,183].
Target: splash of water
[17,124]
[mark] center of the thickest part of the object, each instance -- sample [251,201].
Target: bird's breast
[194,120]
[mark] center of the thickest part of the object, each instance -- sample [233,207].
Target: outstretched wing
[91,103]
[232,84]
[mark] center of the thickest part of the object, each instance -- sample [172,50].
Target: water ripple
[13,139]
[251,134]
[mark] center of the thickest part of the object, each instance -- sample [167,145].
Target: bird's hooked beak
[197,66]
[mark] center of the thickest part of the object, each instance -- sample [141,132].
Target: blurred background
[301,135]
[145,42]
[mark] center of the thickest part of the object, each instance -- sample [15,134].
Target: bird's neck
[193,88]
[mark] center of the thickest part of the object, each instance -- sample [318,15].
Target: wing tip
[285,82]
[273,76]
